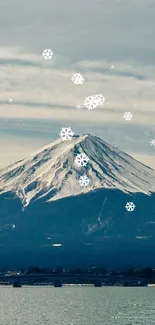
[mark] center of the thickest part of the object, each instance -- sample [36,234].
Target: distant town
[144,273]
[92,275]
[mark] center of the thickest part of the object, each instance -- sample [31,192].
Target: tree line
[147,273]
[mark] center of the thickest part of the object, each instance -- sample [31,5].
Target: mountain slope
[52,173]
[91,223]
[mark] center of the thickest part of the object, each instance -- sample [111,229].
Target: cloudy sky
[87,37]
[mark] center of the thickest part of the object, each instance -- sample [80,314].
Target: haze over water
[77,306]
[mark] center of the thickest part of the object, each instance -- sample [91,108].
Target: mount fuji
[49,218]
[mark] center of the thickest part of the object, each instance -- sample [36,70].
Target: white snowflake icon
[66,133]
[92,102]
[81,160]
[152,142]
[127,116]
[100,99]
[79,107]
[130,206]
[84,180]
[47,54]
[77,79]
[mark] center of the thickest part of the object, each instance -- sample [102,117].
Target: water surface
[77,306]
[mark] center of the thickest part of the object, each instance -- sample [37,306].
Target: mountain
[42,204]
[51,173]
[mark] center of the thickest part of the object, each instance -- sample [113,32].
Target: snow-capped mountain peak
[52,172]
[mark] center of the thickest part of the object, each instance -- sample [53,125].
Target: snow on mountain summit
[52,173]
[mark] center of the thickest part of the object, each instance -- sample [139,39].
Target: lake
[40,305]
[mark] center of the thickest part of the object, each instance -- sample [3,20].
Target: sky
[87,37]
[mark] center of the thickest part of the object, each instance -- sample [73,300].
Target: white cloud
[85,36]
[90,28]
[52,90]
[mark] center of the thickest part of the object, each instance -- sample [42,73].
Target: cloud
[88,29]
[48,93]
[88,37]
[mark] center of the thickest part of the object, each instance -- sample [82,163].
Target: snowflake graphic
[152,142]
[66,133]
[130,206]
[47,54]
[84,180]
[79,107]
[92,102]
[81,160]
[100,99]
[127,116]
[77,79]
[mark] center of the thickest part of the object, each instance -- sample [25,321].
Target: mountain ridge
[91,224]
[52,169]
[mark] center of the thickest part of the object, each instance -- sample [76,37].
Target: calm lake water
[77,306]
